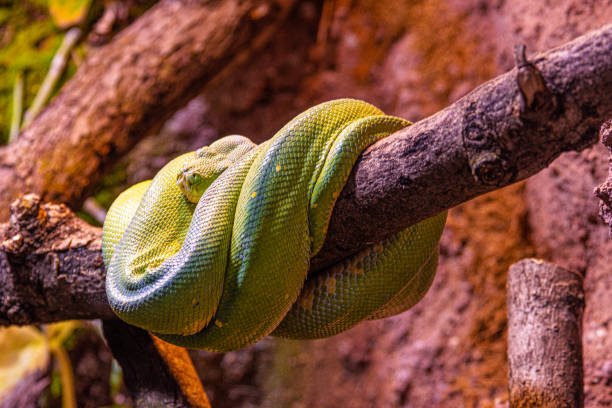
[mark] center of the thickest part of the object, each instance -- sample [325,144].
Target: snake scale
[214,252]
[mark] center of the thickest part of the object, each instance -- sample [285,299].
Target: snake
[214,252]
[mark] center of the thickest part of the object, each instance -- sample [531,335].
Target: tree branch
[127,89]
[51,266]
[493,137]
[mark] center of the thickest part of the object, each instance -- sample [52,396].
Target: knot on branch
[26,219]
[489,168]
[537,101]
[484,149]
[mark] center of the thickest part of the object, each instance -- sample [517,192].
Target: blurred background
[410,58]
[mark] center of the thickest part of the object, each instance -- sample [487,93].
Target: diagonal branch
[504,131]
[126,89]
[494,136]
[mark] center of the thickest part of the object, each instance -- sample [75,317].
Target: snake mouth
[190,183]
[181,181]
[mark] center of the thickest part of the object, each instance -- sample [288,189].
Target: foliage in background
[24,350]
[31,31]
[28,40]
[67,13]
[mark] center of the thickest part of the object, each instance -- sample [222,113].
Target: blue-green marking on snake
[214,252]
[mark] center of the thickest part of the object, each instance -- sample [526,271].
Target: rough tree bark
[604,190]
[53,264]
[545,306]
[447,159]
[127,89]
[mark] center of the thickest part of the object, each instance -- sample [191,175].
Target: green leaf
[22,350]
[67,13]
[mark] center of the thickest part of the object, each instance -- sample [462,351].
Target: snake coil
[214,252]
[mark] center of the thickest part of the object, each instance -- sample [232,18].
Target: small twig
[17,108]
[325,21]
[115,14]
[537,101]
[545,306]
[58,64]
[183,371]
[66,375]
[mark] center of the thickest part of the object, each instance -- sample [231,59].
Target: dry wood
[545,306]
[489,139]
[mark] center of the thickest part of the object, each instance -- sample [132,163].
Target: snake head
[199,172]
[208,163]
[192,183]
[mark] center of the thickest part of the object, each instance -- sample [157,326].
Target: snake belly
[232,268]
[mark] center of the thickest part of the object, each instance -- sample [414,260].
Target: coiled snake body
[214,252]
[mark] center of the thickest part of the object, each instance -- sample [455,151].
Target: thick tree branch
[495,136]
[127,89]
[51,266]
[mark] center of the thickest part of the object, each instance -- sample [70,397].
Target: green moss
[28,41]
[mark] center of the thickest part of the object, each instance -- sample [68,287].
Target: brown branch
[491,138]
[495,136]
[51,266]
[127,89]
[147,376]
[545,306]
[52,270]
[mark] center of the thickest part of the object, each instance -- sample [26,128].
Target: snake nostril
[183,178]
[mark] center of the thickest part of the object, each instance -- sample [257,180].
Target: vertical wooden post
[545,306]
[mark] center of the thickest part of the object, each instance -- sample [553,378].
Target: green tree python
[214,252]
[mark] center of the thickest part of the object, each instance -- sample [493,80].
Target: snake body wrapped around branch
[214,252]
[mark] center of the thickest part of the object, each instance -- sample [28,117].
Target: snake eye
[193,178]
